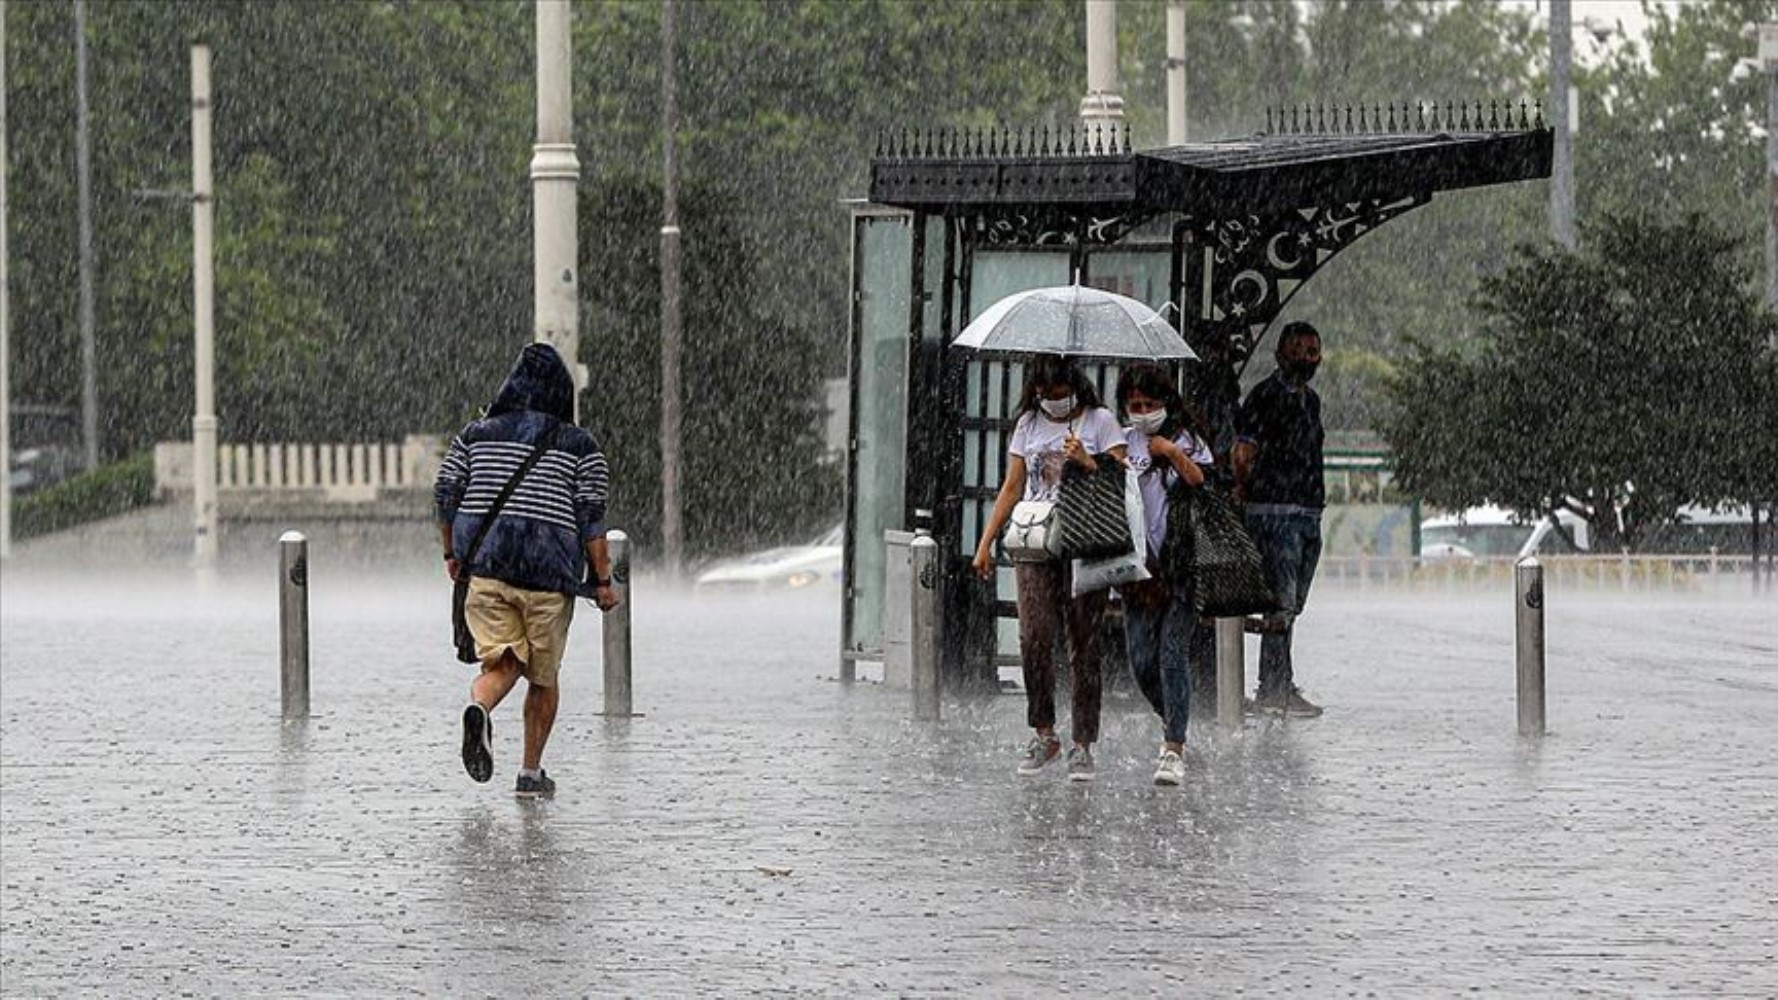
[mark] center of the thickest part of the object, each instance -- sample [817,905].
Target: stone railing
[1621,572]
[338,472]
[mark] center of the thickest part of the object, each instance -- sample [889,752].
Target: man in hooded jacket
[533,561]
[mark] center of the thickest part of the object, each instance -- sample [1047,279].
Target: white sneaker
[1080,764]
[1170,769]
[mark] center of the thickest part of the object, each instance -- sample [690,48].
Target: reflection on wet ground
[763,828]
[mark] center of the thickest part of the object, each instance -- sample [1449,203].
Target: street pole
[555,177]
[1529,646]
[5,323]
[83,168]
[1175,72]
[1102,107]
[1562,164]
[203,280]
[672,321]
[1768,57]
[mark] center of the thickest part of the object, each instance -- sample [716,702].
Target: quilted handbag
[1227,574]
[1031,532]
[1094,524]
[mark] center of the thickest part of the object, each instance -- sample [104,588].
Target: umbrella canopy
[1076,321]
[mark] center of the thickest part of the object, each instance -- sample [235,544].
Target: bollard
[923,579]
[293,623]
[1231,672]
[617,629]
[1529,578]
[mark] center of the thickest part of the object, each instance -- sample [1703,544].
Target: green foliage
[374,219]
[1634,374]
[106,491]
[750,412]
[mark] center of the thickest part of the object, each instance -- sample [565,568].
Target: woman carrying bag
[1158,613]
[1060,423]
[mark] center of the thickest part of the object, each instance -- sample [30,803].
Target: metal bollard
[1529,579]
[293,623]
[617,629]
[1231,672]
[923,577]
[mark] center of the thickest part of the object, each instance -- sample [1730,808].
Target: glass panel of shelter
[880,361]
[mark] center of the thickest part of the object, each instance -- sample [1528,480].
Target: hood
[540,382]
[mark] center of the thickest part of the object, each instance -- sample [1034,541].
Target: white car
[791,567]
[1491,532]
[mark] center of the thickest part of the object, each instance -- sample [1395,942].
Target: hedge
[104,492]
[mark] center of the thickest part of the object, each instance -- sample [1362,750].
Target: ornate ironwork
[1036,226]
[1420,116]
[1252,265]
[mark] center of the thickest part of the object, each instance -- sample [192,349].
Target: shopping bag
[1091,507]
[1228,575]
[1128,567]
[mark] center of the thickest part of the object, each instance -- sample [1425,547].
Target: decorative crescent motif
[1277,259]
[1261,285]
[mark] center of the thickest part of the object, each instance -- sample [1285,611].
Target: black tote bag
[1207,538]
[1091,509]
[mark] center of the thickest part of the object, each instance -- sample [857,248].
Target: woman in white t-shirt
[1060,421]
[1158,613]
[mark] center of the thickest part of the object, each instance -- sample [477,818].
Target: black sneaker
[1289,702]
[540,787]
[478,742]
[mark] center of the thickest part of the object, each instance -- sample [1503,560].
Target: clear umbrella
[1076,321]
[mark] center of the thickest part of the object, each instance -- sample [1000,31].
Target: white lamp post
[1102,105]
[555,178]
[203,281]
[1175,72]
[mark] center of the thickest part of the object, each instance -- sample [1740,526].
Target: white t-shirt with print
[1155,477]
[1038,440]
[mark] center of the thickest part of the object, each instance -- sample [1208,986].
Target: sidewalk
[764,829]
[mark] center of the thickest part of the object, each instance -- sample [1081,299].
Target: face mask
[1058,408]
[1303,371]
[1148,423]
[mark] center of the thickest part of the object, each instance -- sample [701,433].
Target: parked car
[45,444]
[1483,532]
[790,567]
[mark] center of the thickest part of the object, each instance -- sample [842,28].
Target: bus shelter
[1217,235]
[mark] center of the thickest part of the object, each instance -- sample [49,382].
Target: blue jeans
[1290,545]
[1158,622]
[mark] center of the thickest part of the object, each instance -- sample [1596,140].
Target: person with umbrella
[1060,422]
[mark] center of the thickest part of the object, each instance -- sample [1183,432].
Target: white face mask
[1148,423]
[1058,408]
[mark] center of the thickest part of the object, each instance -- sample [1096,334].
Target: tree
[1635,374]
[752,417]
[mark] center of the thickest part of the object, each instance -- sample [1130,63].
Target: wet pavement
[763,828]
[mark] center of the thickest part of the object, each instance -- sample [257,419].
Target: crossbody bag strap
[537,450]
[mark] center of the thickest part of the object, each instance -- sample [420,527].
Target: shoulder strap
[547,442]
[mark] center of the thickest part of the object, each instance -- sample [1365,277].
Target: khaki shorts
[531,623]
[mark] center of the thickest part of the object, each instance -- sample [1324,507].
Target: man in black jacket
[1278,475]
[532,561]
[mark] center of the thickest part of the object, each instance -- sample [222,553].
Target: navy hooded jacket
[538,538]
